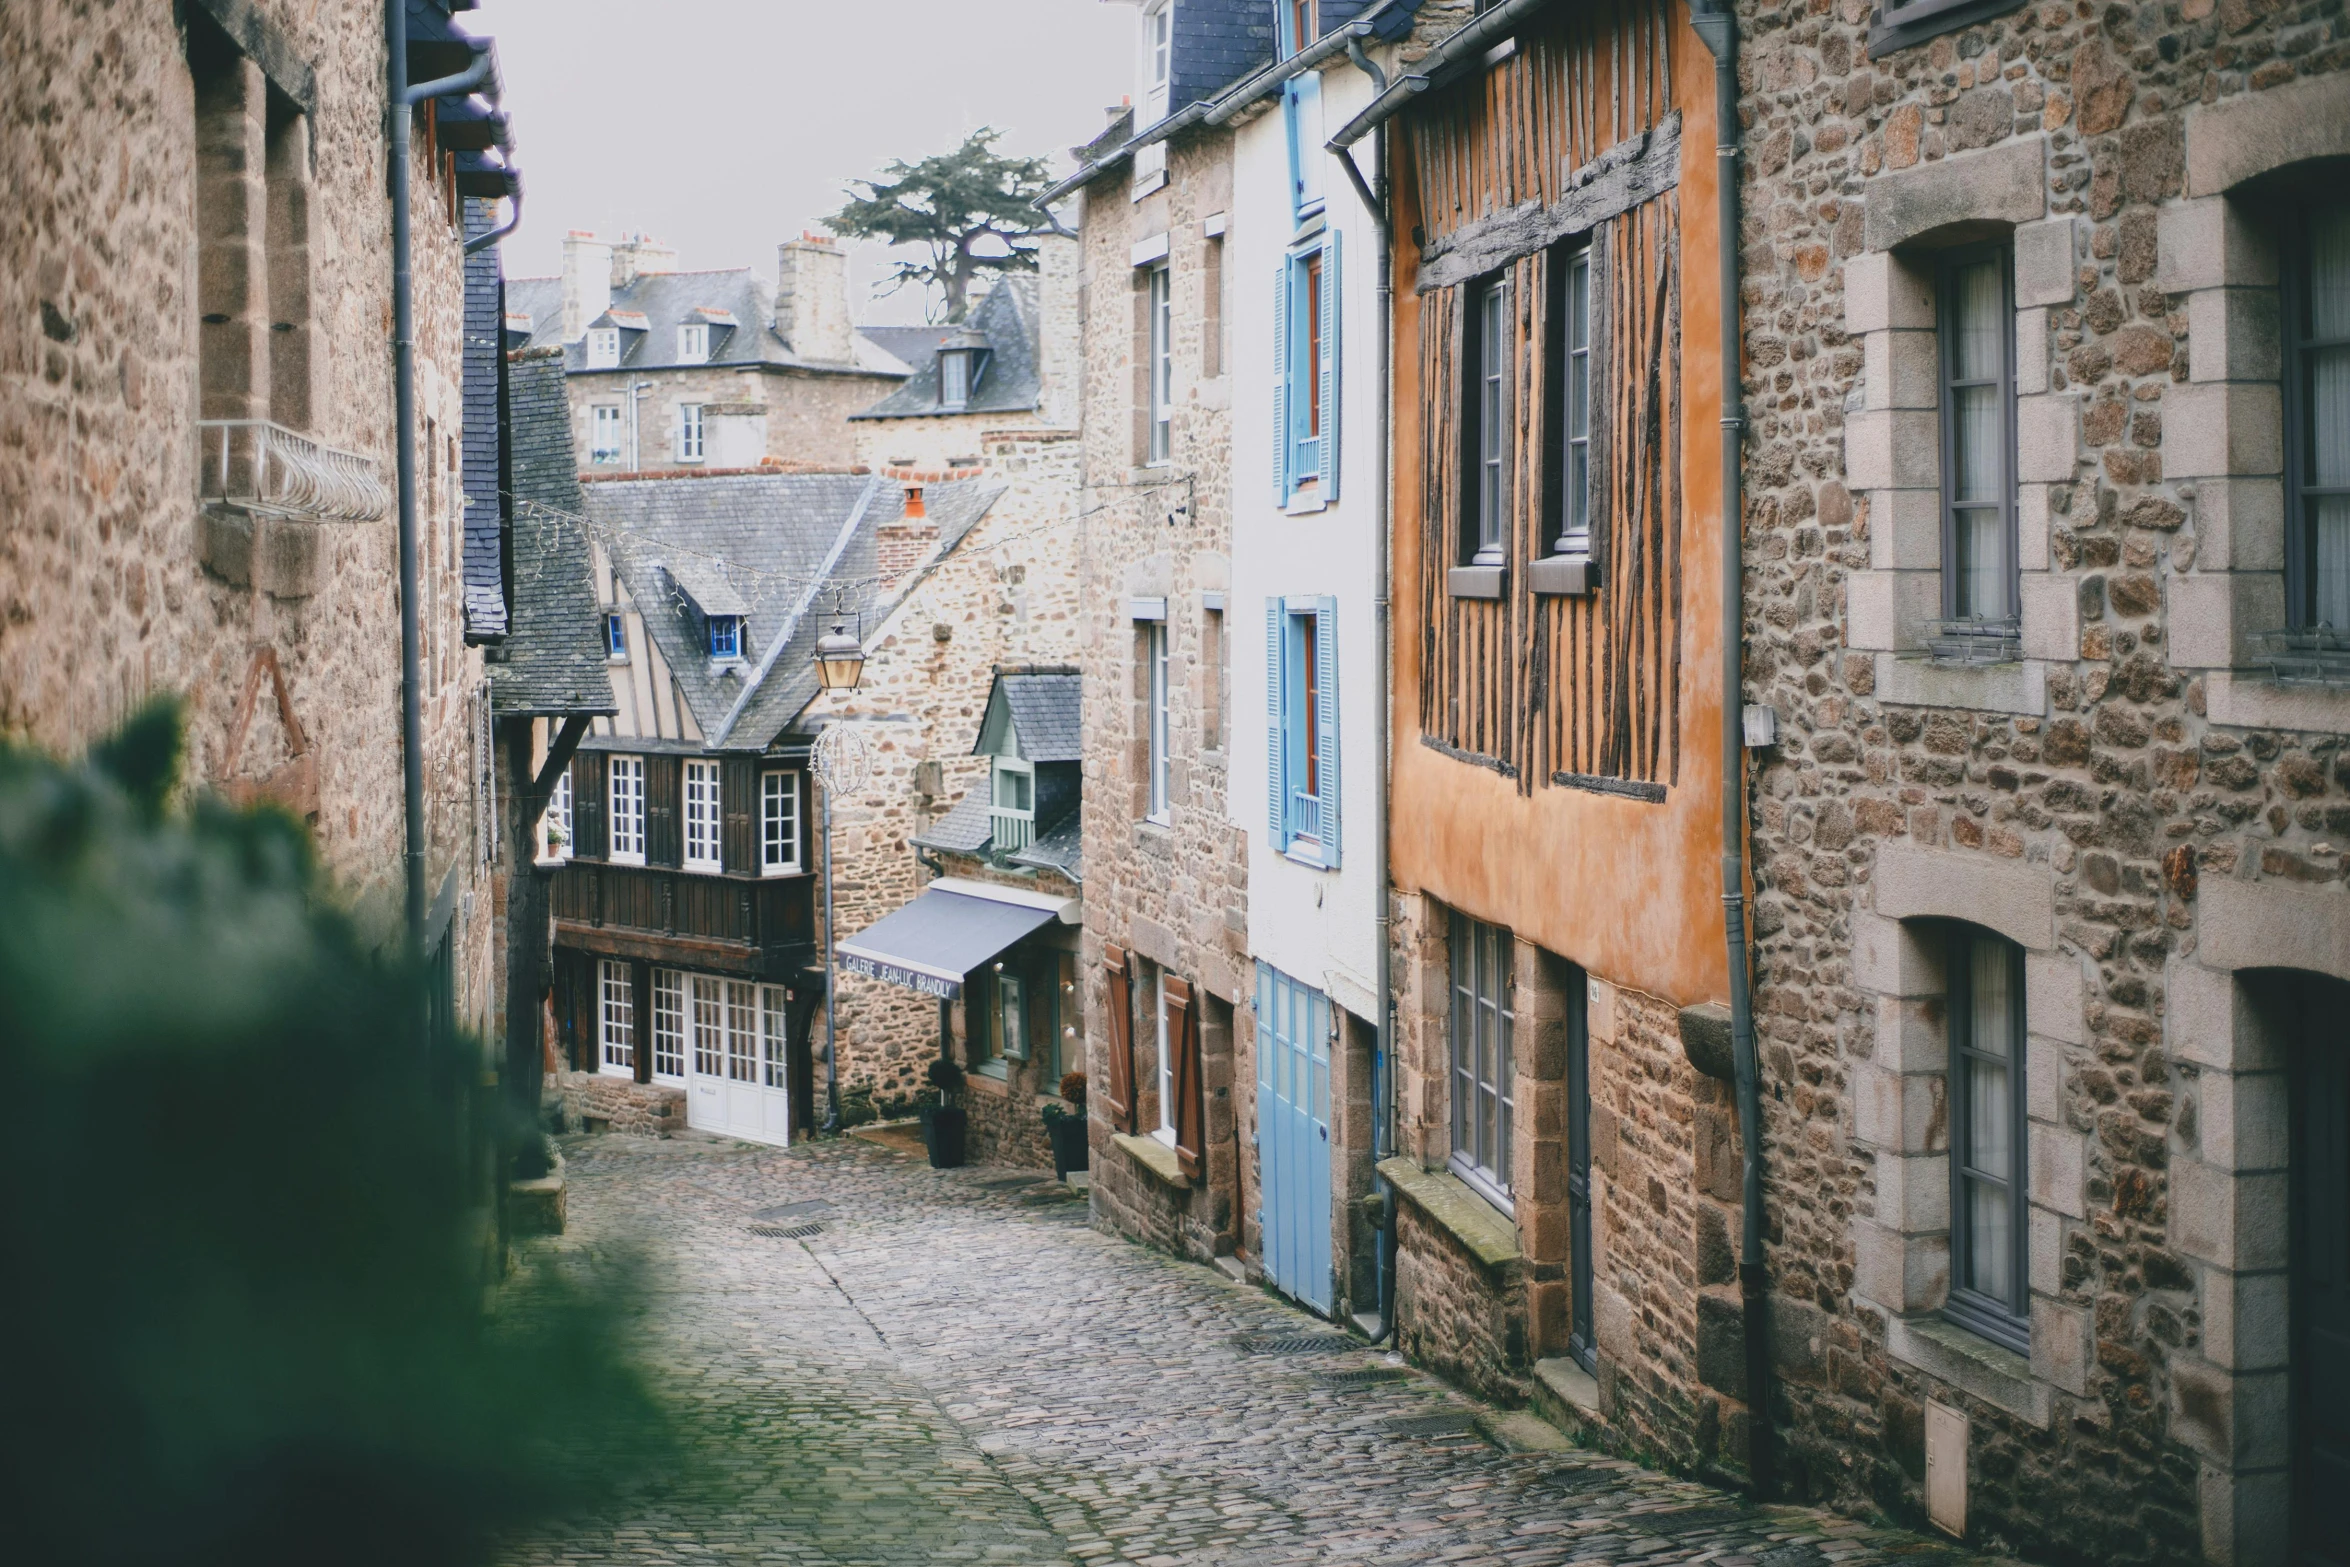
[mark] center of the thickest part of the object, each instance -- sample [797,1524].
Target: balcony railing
[1970,642]
[265,467]
[1009,829]
[747,911]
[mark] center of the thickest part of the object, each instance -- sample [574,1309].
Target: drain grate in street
[1004,1183]
[1688,1520]
[1368,1377]
[789,1232]
[1450,1423]
[1293,1344]
[795,1210]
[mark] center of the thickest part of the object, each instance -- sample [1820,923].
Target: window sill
[1475,582]
[2252,699]
[1455,1208]
[1305,503]
[991,1072]
[767,871]
[1917,680]
[1563,576]
[1310,858]
[1974,1365]
[704,867]
[626,1074]
[1156,1158]
[617,858]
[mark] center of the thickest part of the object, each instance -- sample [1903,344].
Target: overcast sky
[724,126]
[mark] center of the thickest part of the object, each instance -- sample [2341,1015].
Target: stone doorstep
[1156,1158]
[1566,1395]
[537,1207]
[1452,1207]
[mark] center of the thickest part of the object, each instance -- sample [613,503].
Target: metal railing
[266,467]
[2312,656]
[1972,642]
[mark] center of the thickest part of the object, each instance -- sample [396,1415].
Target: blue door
[1293,1135]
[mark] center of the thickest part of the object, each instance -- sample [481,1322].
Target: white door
[738,1084]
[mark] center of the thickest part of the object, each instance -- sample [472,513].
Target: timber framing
[1635,170]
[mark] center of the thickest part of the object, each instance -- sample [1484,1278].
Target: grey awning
[931,943]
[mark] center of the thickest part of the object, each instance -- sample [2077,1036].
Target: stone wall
[105,596]
[2117,801]
[804,413]
[621,1104]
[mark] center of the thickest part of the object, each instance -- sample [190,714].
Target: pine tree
[950,202]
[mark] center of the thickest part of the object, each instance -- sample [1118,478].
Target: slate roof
[484,370]
[1215,43]
[552,661]
[963,830]
[908,345]
[1009,381]
[776,542]
[667,300]
[967,829]
[1048,716]
[1060,847]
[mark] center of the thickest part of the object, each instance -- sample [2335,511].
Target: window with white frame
[625,802]
[701,816]
[1011,808]
[1158,76]
[1988,1229]
[954,379]
[616,1018]
[1482,1065]
[779,822]
[1301,727]
[1574,349]
[1165,1131]
[774,1051]
[555,839]
[742,1031]
[693,343]
[1162,364]
[603,348]
[668,1026]
[1305,385]
[708,994]
[604,434]
[689,432]
[1155,671]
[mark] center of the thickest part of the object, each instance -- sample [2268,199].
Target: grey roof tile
[668,300]
[1048,716]
[552,661]
[1009,381]
[963,830]
[1060,847]
[484,393]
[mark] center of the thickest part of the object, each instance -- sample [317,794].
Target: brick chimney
[812,299]
[900,546]
[587,282]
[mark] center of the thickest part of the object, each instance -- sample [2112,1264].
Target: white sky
[724,126]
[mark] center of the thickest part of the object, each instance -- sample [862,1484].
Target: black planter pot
[1069,1146]
[944,1132]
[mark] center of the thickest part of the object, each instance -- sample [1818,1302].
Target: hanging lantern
[840,660]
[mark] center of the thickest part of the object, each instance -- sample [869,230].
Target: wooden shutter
[663,782]
[588,805]
[1190,1115]
[1325,656]
[1118,1093]
[1284,350]
[1276,731]
[1332,298]
[738,815]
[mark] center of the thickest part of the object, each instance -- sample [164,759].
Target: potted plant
[1064,1124]
[945,1129]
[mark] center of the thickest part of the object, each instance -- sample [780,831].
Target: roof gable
[1010,380]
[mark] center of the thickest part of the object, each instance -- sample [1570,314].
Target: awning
[931,943]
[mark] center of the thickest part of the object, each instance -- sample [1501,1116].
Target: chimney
[914,511]
[587,282]
[1060,342]
[640,255]
[812,299]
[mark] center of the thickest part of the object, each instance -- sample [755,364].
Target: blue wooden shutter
[1325,656]
[1276,731]
[1281,357]
[1332,300]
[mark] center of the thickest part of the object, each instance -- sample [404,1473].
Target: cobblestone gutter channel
[880,1363]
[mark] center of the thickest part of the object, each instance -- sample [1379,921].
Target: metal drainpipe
[404,99]
[1383,1114]
[1717,28]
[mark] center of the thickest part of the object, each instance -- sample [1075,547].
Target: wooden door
[1293,1136]
[2321,1277]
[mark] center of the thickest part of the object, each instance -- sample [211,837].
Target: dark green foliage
[248,1231]
[953,202]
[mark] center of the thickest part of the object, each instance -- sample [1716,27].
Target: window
[604,434]
[1481,1061]
[1305,389]
[1064,1047]
[1011,1012]
[1162,365]
[709,1025]
[2317,392]
[1011,811]
[668,1026]
[1165,1130]
[1154,656]
[1211,302]
[616,635]
[1301,738]
[689,432]
[701,816]
[726,636]
[779,823]
[693,344]
[1977,316]
[1485,423]
[742,1031]
[954,379]
[626,797]
[603,348]
[1574,535]
[555,839]
[1159,26]
[774,1050]
[1211,659]
[1988,1232]
[616,1018]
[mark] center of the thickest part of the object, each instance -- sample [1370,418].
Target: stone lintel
[2001,185]
[2240,138]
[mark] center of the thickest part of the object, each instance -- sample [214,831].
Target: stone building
[2043,314]
[197,436]
[1165,967]
[708,370]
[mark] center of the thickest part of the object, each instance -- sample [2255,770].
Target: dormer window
[603,348]
[616,636]
[726,636]
[693,343]
[1161,25]
[1011,811]
[960,362]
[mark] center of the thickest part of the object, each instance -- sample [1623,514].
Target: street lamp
[840,658]
[840,762]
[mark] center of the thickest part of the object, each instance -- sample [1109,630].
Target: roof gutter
[1438,65]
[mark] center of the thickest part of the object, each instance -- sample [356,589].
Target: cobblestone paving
[957,1368]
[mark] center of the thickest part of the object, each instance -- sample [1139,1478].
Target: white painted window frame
[1165,1131]
[1161,803]
[615,1019]
[601,416]
[702,850]
[779,822]
[624,794]
[603,348]
[557,814]
[669,1026]
[691,442]
[693,343]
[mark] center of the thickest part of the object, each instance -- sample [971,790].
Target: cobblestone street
[881,1363]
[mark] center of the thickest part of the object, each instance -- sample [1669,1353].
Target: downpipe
[1717,28]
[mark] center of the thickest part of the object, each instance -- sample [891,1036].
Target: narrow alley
[882,1363]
